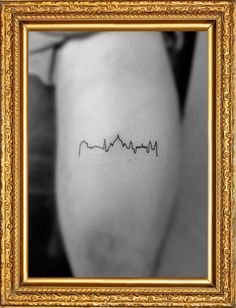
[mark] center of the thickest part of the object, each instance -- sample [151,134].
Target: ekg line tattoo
[106,147]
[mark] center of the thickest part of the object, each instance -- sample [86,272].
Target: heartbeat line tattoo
[106,147]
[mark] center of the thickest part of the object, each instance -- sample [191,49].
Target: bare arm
[114,205]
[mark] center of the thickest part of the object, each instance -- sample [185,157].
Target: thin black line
[149,147]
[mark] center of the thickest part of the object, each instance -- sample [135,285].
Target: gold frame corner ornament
[215,17]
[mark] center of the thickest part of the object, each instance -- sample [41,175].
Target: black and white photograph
[118,154]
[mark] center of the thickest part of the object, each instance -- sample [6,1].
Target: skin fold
[114,206]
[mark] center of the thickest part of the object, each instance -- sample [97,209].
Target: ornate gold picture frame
[20,17]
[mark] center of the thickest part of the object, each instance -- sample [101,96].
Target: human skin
[113,207]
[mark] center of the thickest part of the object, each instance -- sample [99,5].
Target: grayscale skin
[114,206]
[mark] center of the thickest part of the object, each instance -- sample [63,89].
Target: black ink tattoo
[149,147]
